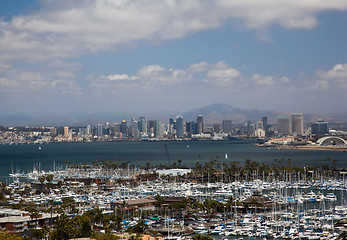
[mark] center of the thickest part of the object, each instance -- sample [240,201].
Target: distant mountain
[217,112]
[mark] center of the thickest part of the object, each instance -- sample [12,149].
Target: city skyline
[165,56]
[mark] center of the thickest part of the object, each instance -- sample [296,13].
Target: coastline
[326,148]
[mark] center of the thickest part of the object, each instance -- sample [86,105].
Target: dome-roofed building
[331,141]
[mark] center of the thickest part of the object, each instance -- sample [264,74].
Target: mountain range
[214,113]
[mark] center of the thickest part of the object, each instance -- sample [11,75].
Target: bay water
[23,158]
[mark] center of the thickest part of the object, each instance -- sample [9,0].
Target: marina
[304,208]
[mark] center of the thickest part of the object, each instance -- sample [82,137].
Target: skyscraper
[260,125]
[135,128]
[142,125]
[227,126]
[179,126]
[199,124]
[216,128]
[66,131]
[297,123]
[320,128]
[283,125]
[124,129]
[100,130]
[150,127]
[157,127]
[265,124]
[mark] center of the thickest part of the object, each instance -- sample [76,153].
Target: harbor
[178,203]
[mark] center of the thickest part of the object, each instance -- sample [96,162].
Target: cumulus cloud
[333,78]
[269,80]
[200,77]
[55,78]
[68,28]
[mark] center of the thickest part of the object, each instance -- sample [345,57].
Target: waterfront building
[199,124]
[179,126]
[265,123]
[250,129]
[142,125]
[260,125]
[189,128]
[135,128]
[124,129]
[89,130]
[157,129]
[66,131]
[216,128]
[53,132]
[100,130]
[283,125]
[227,126]
[150,127]
[320,128]
[260,133]
[297,123]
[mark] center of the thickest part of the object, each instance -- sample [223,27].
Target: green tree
[202,237]
[65,228]
[8,236]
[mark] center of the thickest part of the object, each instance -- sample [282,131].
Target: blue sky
[58,57]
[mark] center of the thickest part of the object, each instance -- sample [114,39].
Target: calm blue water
[24,157]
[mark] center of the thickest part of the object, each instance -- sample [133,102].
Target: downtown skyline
[166,56]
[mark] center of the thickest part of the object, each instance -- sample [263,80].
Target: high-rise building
[265,124]
[142,125]
[189,128]
[124,129]
[216,128]
[88,130]
[53,132]
[227,126]
[320,128]
[179,126]
[150,127]
[157,128]
[100,130]
[66,131]
[297,123]
[199,124]
[260,125]
[172,127]
[135,128]
[283,125]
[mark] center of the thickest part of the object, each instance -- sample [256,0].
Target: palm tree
[179,163]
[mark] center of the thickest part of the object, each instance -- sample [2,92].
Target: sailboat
[226,156]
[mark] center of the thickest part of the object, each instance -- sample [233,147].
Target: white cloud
[197,77]
[198,67]
[54,77]
[269,80]
[68,28]
[333,78]
[223,75]
[263,80]
[117,77]
[4,82]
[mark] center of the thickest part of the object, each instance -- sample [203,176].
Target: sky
[152,56]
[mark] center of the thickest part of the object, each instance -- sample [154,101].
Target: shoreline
[326,148]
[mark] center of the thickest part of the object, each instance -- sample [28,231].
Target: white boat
[330,197]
